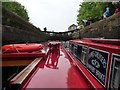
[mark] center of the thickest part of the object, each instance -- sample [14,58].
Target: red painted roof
[107,44]
[58,71]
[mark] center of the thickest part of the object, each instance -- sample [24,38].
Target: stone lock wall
[15,35]
[108,28]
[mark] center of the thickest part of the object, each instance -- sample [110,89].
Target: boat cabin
[101,58]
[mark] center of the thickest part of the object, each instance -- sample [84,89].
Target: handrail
[20,78]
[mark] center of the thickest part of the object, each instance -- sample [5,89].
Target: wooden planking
[16,62]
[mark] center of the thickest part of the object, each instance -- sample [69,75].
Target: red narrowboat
[100,58]
[86,63]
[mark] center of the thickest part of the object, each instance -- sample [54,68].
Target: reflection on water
[53,57]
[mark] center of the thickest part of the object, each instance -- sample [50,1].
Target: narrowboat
[75,64]
[100,58]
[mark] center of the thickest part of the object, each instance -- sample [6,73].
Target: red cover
[14,48]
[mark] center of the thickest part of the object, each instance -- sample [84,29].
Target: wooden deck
[9,62]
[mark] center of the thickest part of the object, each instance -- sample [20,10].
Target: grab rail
[22,76]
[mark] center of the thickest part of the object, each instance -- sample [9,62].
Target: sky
[55,15]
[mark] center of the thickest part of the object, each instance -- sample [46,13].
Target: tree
[16,8]
[93,10]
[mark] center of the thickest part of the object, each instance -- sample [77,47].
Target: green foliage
[17,8]
[93,10]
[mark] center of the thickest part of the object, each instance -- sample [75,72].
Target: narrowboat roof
[58,71]
[107,43]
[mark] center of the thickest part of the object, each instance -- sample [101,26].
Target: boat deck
[9,62]
[58,71]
